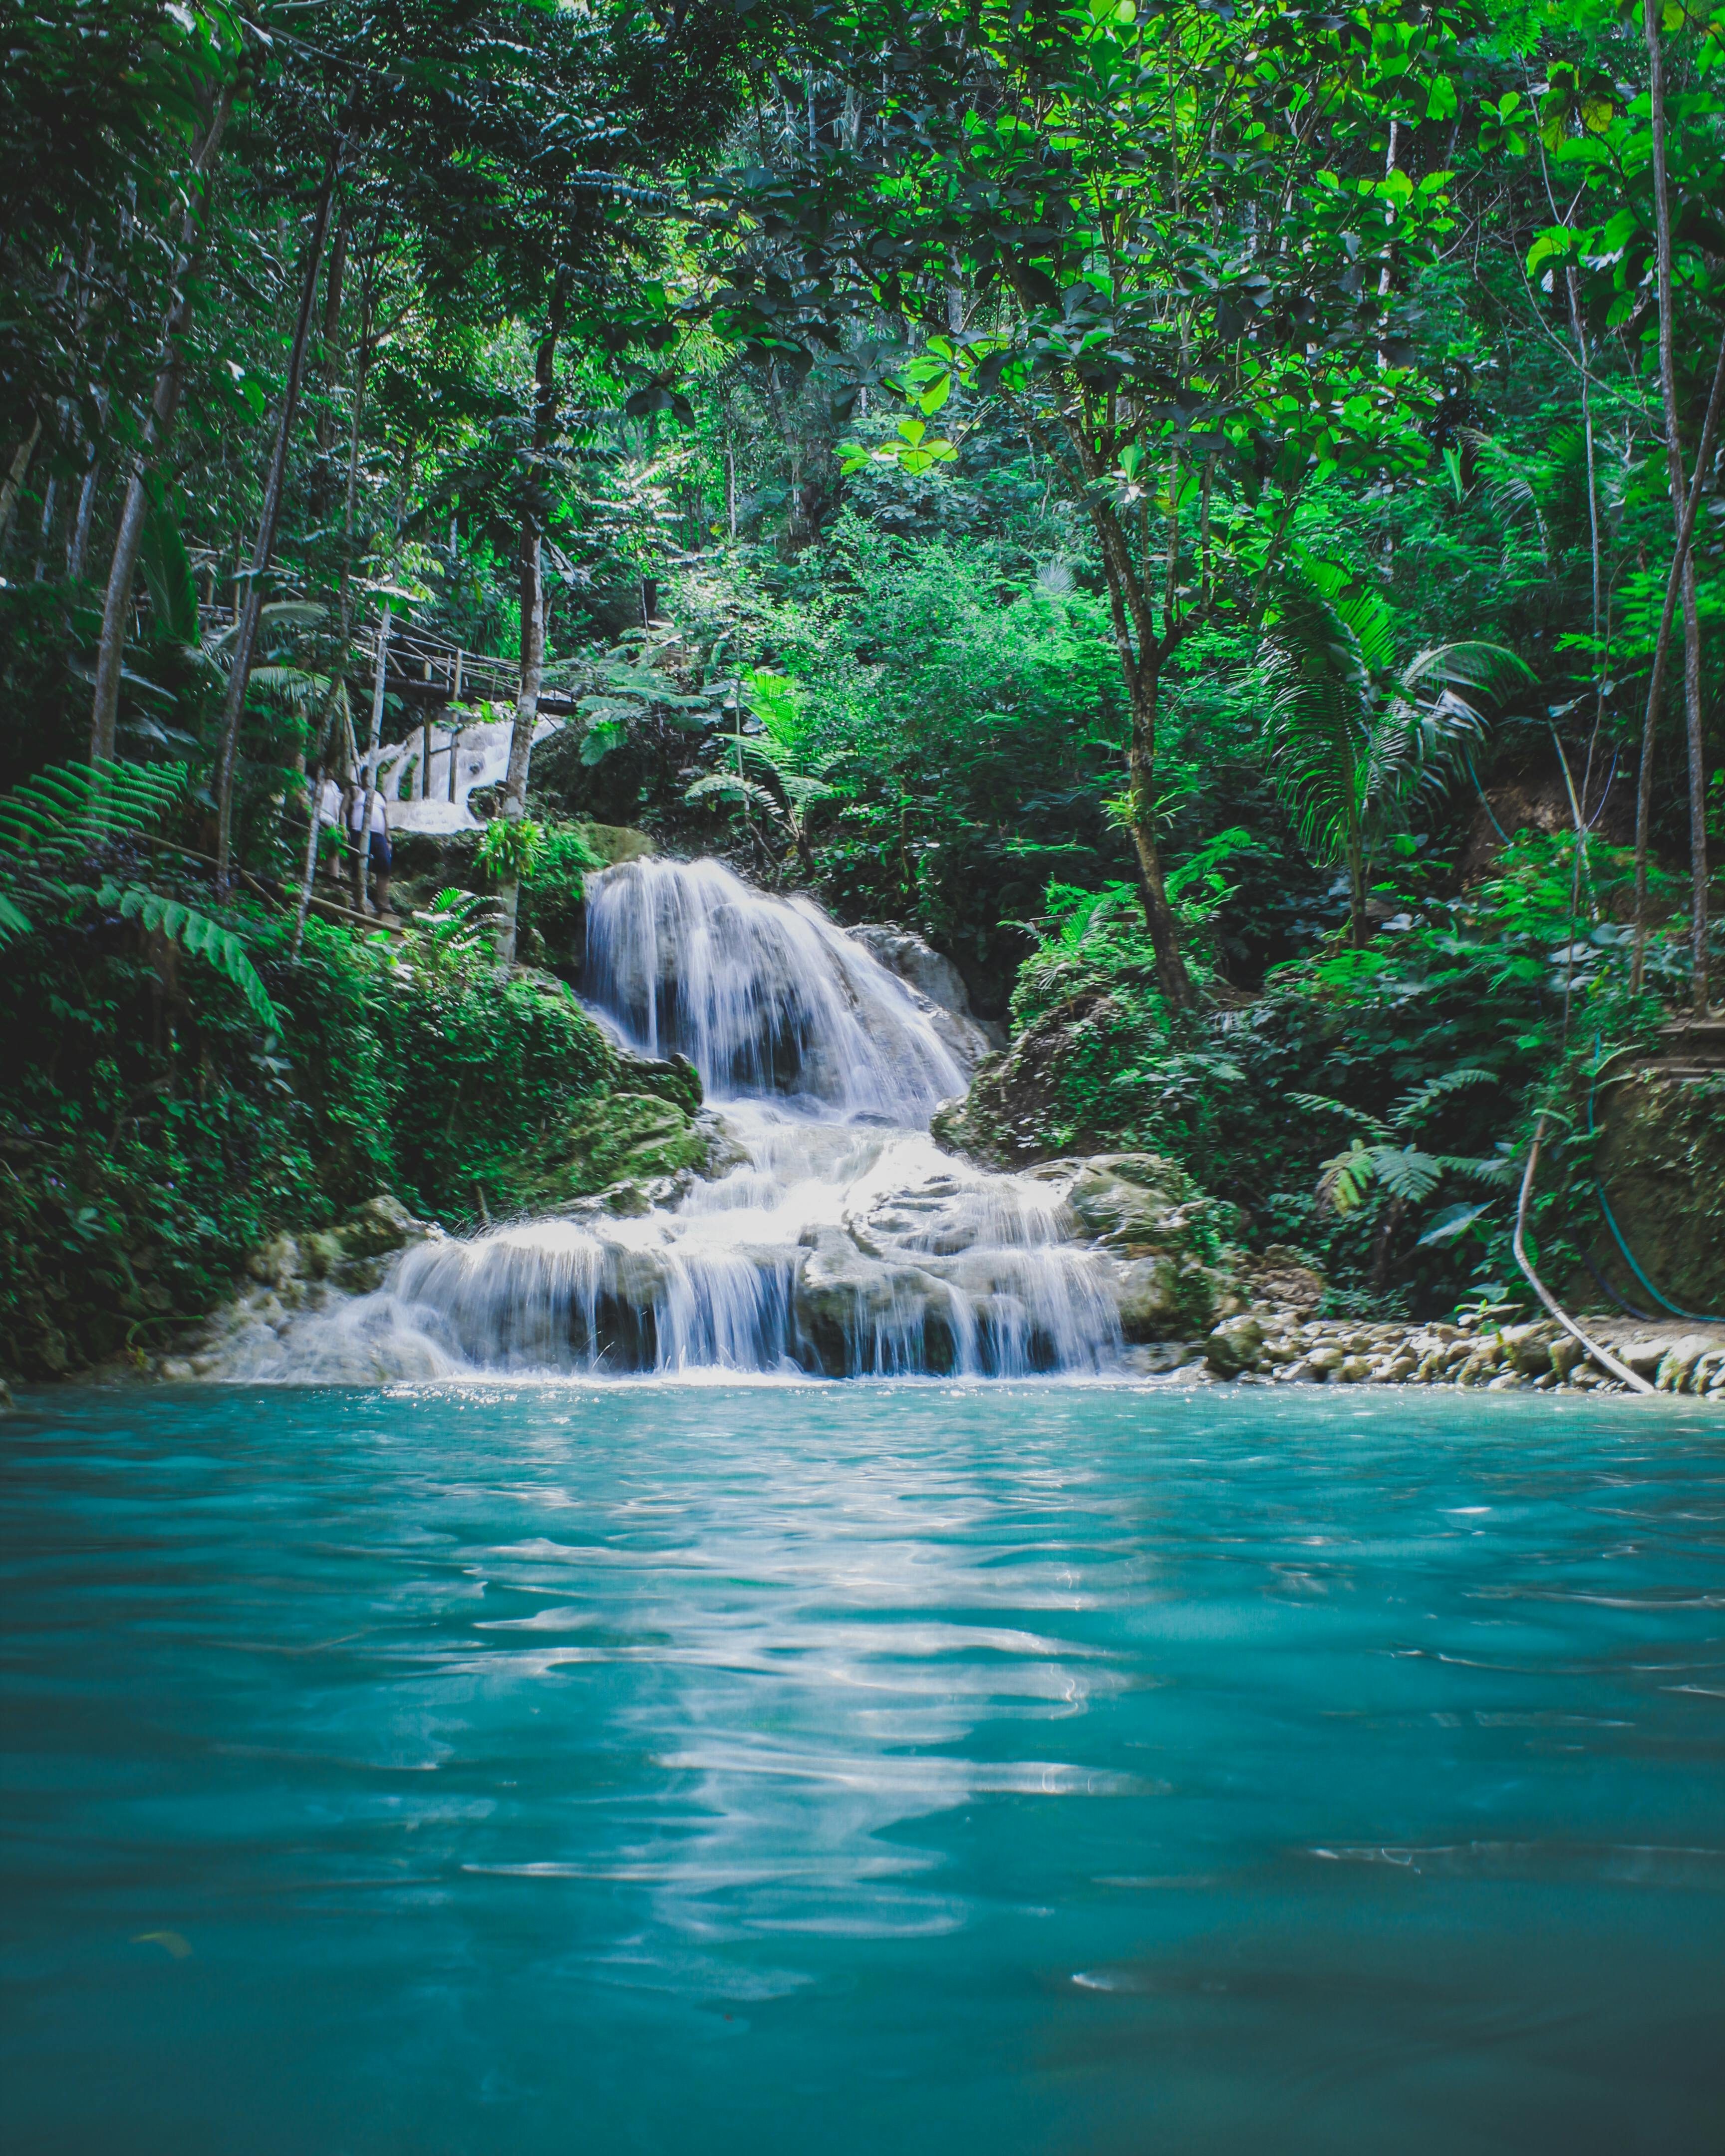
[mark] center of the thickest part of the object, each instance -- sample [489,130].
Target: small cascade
[844,1243]
[763,995]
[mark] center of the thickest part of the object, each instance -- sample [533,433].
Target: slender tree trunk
[14,482]
[1682,561]
[1159,918]
[1651,10]
[1356,889]
[535,513]
[78,547]
[158,426]
[362,366]
[246,637]
[362,859]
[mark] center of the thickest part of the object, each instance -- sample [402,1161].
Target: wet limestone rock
[290,1275]
[847,1299]
[1235,1345]
[1151,1305]
[940,985]
[1178,1270]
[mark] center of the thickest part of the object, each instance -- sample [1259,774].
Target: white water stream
[844,1242]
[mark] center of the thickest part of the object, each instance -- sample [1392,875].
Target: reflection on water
[1009,1768]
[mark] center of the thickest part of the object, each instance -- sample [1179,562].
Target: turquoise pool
[774,1768]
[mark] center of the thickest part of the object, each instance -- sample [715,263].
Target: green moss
[619,1137]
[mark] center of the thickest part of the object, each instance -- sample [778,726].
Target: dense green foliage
[151,1134]
[1176,506]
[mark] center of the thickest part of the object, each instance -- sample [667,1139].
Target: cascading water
[763,995]
[844,1242]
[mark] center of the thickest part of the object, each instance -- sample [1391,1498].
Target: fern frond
[1345,1180]
[1496,1171]
[204,938]
[727,782]
[799,787]
[1407,1174]
[1417,1099]
[74,809]
[1321,1104]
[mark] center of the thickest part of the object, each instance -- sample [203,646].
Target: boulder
[1235,1345]
[1281,1277]
[852,1309]
[380,1227]
[1128,1199]
[1150,1301]
[1679,1359]
[278,1261]
[937,980]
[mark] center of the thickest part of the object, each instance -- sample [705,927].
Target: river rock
[939,982]
[1679,1359]
[1281,1277]
[1149,1290]
[846,1300]
[1235,1345]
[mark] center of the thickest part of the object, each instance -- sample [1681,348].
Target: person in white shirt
[379,845]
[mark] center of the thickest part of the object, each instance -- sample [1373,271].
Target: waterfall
[763,995]
[844,1243]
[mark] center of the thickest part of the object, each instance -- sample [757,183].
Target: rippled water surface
[823,1768]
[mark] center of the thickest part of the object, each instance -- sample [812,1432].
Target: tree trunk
[329,347]
[1172,976]
[78,547]
[13,488]
[1680,566]
[1685,569]
[246,637]
[535,512]
[164,408]
[362,856]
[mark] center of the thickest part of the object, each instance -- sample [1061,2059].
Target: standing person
[379,836]
[329,819]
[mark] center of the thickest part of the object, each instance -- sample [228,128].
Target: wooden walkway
[425,671]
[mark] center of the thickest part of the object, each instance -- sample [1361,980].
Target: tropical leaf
[1418,1099]
[1345,1179]
[203,937]
[1453,1221]
[72,810]
[168,577]
[13,921]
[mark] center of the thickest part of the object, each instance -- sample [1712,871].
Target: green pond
[507,1768]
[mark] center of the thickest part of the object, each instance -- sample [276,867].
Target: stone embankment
[1277,1346]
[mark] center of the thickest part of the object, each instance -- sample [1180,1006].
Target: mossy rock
[619,1137]
[1661,1161]
[1033,1102]
[618,842]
